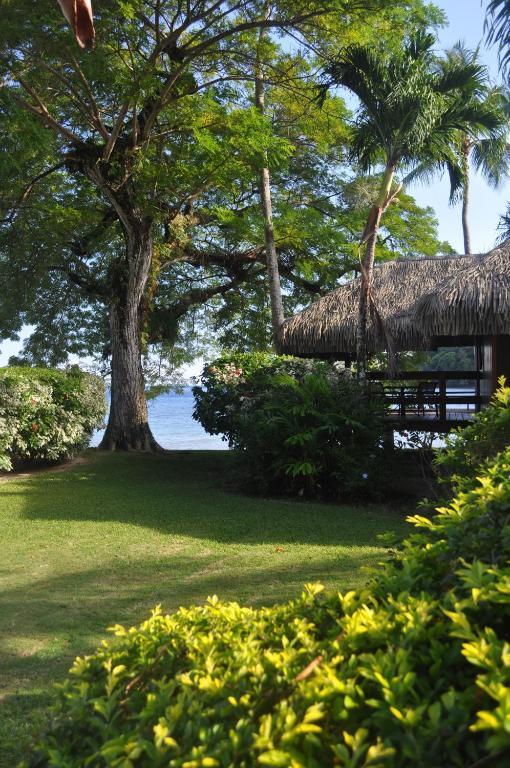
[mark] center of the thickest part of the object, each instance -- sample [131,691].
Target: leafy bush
[228,382]
[468,448]
[46,414]
[301,426]
[414,670]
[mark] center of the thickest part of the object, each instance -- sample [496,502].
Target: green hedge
[47,414]
[301,427]
[412,671]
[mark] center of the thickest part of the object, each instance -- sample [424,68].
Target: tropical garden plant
[236,377]
[470,448]
[301,427]
[47,415]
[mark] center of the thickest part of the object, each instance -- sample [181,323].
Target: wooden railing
[408,399]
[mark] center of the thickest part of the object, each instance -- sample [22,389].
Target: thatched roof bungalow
[420,302]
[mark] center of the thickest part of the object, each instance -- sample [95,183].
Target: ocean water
[174,427]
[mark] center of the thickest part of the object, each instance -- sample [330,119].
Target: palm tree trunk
[273,272]
[367,270]
[465,197]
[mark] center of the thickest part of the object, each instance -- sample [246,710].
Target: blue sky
[466,20]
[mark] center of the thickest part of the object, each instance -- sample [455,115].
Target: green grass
[104,542]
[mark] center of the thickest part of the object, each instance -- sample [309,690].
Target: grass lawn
[105,541]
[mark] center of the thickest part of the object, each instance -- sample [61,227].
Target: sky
[466,21]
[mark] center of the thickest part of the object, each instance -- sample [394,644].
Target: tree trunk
[367,269]
[465,198]
[273,272]
[128,427]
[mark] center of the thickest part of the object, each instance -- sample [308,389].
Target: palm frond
[497,26]
[491,158]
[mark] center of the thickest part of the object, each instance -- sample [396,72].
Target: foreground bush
[301,427]
[46,414]
[413,671]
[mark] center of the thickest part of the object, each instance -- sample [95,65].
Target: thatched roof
[417,300]
[473,302]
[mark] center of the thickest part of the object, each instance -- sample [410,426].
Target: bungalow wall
[495,362]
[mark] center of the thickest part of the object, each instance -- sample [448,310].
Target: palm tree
[497,25]
[411,112]
[273,272]
[488,154]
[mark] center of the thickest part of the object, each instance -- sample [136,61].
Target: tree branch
[28,190]
[42,112]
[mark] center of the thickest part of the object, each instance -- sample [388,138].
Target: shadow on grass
[68,615]
[189,494]
[184,534]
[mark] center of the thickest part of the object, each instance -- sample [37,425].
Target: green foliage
[450,359]
[235,377]
[413,670]
[413,106]
[467,449]
[105,540]
[47,414]
[314,437]
[301,426]
[498,26]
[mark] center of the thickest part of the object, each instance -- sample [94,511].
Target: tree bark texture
[128,427]
[367,270]
[465,198]
[273,272]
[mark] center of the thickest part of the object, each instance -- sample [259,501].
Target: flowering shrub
[228,383]
[411,671]
[301,426]
[47,414]
[314,437]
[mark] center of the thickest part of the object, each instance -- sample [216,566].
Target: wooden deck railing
[410,404]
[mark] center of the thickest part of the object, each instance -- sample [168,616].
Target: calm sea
[174,427]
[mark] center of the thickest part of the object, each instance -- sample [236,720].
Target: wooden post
[442,398]
[389,439]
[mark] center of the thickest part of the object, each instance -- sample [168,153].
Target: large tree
[411,111]
[109,116]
